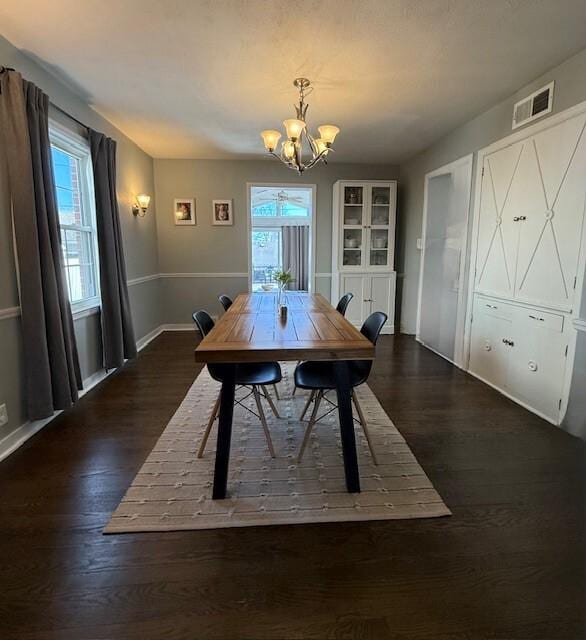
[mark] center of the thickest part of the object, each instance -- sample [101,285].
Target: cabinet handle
[516,219]
[492,306]
[536,318]
[521,218]
[509,343]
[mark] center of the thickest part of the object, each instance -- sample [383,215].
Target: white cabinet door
[532,208]
[537,364]
[382,292]
[553,195]
[359,286]
[489,353]
[497,229]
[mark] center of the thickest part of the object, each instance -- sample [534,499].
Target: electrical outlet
[3,415]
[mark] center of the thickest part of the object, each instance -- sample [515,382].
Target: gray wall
[135,175]
[207,249]
[490,126]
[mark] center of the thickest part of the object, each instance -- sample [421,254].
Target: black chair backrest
[343,303]
[204,322]
[370,329]
[225,301]
[373,325]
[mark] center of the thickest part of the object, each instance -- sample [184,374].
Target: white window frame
[77,146]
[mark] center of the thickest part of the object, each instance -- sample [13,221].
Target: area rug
[172,490]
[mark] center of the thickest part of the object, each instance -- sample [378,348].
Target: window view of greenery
[77,239]
[275,209]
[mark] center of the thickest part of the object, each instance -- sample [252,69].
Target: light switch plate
[3,415]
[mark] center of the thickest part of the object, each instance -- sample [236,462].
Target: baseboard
[141,343]
[10,443]
[388,329]
[180,327]
[15,439]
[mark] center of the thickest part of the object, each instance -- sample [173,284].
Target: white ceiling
[201,78]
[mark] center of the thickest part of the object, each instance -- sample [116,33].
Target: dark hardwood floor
[510,563]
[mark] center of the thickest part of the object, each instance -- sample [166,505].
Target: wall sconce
[141,204]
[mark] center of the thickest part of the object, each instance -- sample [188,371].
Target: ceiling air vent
[534,106]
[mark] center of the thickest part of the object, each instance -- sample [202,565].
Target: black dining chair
[318,377]
[250,375]
[225,301]
[341,307]
[344,302]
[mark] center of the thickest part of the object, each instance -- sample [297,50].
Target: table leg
[224,433]
[344,393]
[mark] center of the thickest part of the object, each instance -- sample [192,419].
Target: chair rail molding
[9,312]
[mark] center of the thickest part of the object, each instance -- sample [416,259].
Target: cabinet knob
[516,219]
[532,365]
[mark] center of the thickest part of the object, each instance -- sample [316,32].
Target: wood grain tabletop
[253,331]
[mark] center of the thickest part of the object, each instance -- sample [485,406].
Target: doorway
[281,235]
[442,276]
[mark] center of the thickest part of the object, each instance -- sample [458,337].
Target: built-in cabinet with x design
[529,234]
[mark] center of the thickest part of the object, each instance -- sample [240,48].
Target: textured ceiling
[201,78]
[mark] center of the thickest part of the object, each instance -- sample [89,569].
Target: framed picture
[222,212]
[184,211]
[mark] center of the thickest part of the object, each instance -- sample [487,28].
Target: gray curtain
[117,330]
[52,374]
[296,255]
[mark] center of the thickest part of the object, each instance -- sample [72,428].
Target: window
[266,257]
[283,202]
[72,171]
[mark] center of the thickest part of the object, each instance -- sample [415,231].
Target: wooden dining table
[253,330]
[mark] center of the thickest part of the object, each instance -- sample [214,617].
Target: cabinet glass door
[353,226]
[380,218]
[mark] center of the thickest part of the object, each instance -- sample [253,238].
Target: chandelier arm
[312,144]
[320,156]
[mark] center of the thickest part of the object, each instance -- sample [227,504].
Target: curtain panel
[296,255]
[52,373]
[117,330]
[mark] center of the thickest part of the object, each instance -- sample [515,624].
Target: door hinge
[566,352]
[482,174]
[560,404]
[575,279]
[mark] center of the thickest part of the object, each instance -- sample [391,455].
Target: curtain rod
[65,113]
[79,122]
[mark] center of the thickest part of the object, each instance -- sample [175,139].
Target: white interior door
[442,277]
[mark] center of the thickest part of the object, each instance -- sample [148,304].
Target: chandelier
[291,152]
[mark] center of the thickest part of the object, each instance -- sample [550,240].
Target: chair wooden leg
[271,403]
[263,420]
[276,392]
[312,421]
[309,400]
[206,434]
[364,426]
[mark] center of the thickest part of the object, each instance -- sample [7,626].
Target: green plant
[283,278]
